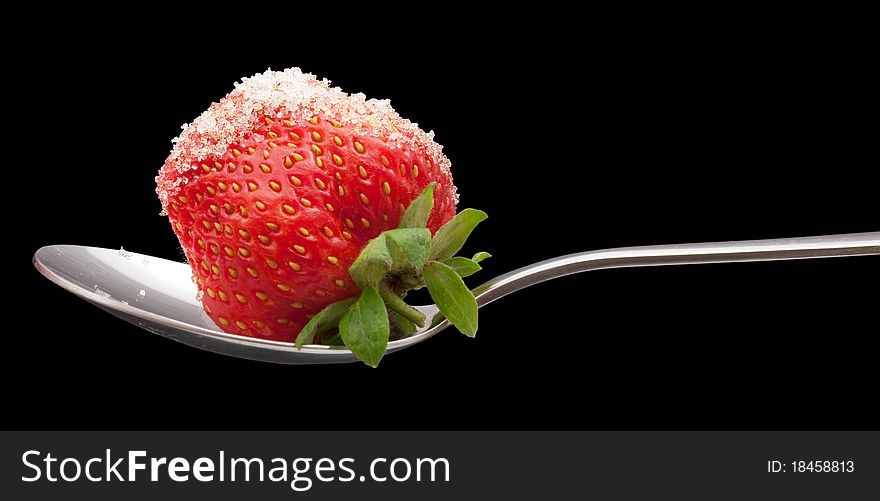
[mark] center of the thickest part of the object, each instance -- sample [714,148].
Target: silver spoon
[158,295]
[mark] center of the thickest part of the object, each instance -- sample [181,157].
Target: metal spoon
[159,296]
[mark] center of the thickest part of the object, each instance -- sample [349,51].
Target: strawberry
[275,191]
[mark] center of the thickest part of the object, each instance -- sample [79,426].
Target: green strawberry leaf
[479,256]
[372,264]
[396,304]
[364,327]
[416,215]
[408,247]
[402,328]
[393,263]
[452,235]
[325,320]
[456,302]
[463,266]
[334,340]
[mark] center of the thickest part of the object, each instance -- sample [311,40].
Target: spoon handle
[854,244]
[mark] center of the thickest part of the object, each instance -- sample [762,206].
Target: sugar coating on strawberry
[275,190]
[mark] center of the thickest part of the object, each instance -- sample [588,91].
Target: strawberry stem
[394,303]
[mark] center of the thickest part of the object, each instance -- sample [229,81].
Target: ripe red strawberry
[275,190]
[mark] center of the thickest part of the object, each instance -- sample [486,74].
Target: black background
[573,136]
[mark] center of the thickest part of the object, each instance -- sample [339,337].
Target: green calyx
[389,266]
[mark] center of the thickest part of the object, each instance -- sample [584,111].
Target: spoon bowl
[158,295]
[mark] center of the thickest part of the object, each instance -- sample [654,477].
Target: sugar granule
[231,120]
